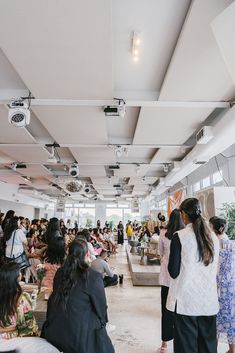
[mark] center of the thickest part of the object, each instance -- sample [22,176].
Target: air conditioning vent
[204,135]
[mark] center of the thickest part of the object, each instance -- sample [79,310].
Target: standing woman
[226,283]
[77,308]
[120,233]
[175,224]
[10,214]
[193,262]
[16,241]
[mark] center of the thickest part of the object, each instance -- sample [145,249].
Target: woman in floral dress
[16,316]
[226,284]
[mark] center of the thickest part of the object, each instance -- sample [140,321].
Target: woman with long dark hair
[193,263]
[54,259]
[10,214]
[225,281]
[77,309]
[16,317]
[175,223]
[53,230]
[15,238]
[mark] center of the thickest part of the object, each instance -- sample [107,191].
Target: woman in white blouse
[13,233]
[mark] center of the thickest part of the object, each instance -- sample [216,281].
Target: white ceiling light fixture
[52,158]
[137,169]
[14,166]
[136,46]
[165,168]
[118,151]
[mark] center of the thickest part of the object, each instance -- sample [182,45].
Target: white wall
[23,205]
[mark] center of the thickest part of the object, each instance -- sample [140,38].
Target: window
[87,217]
[113,216]
[206,182]
[217,177]
[196,187]
[130,216]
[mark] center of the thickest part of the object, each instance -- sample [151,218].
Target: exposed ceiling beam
[129,103]
[77,145]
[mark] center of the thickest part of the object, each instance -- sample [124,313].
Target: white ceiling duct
[223,133]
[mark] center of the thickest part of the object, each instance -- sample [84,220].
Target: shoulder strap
[12,245]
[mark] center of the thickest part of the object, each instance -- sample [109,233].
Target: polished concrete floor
[136,313]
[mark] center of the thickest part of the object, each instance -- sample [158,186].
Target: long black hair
[191,208]
[55,253]
[175,223]
[11,227]
[7,217]
[75,269]
[53,228]
[10,290]
[218,224]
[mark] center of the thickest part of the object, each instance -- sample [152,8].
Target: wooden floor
[142,275]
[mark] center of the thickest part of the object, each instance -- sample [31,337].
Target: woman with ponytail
[193,263]
[77,309]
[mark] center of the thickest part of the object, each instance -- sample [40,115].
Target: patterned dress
[226,285]
[23,321]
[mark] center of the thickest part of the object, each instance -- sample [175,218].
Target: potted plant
[228,212]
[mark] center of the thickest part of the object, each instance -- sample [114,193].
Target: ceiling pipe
[223,133]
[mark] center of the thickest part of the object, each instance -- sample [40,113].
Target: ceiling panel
[94,155]
[92,171]
[14,179]
[104,181]
[137,155]
[35,171]
[10,133]
[197,70]
[70,45]
[131,171]
[168,125]
[10,79]
[5,159]
[74,125]
[32,154]
[121,130]
[166,155]
[141,188]
[142,181]
[157,22]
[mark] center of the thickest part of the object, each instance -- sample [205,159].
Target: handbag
[21,260]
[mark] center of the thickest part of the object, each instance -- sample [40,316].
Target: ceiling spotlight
[87,188]
[19,113]
[118,151]
[135,46]
[14,166]
[74,170]
[52,158]
[165,168]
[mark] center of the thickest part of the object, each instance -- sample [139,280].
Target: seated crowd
[197,278]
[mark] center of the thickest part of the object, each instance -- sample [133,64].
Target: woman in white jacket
[193,263]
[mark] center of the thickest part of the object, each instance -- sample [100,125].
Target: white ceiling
[82,50]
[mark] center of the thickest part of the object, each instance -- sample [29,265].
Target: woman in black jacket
[77,309]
